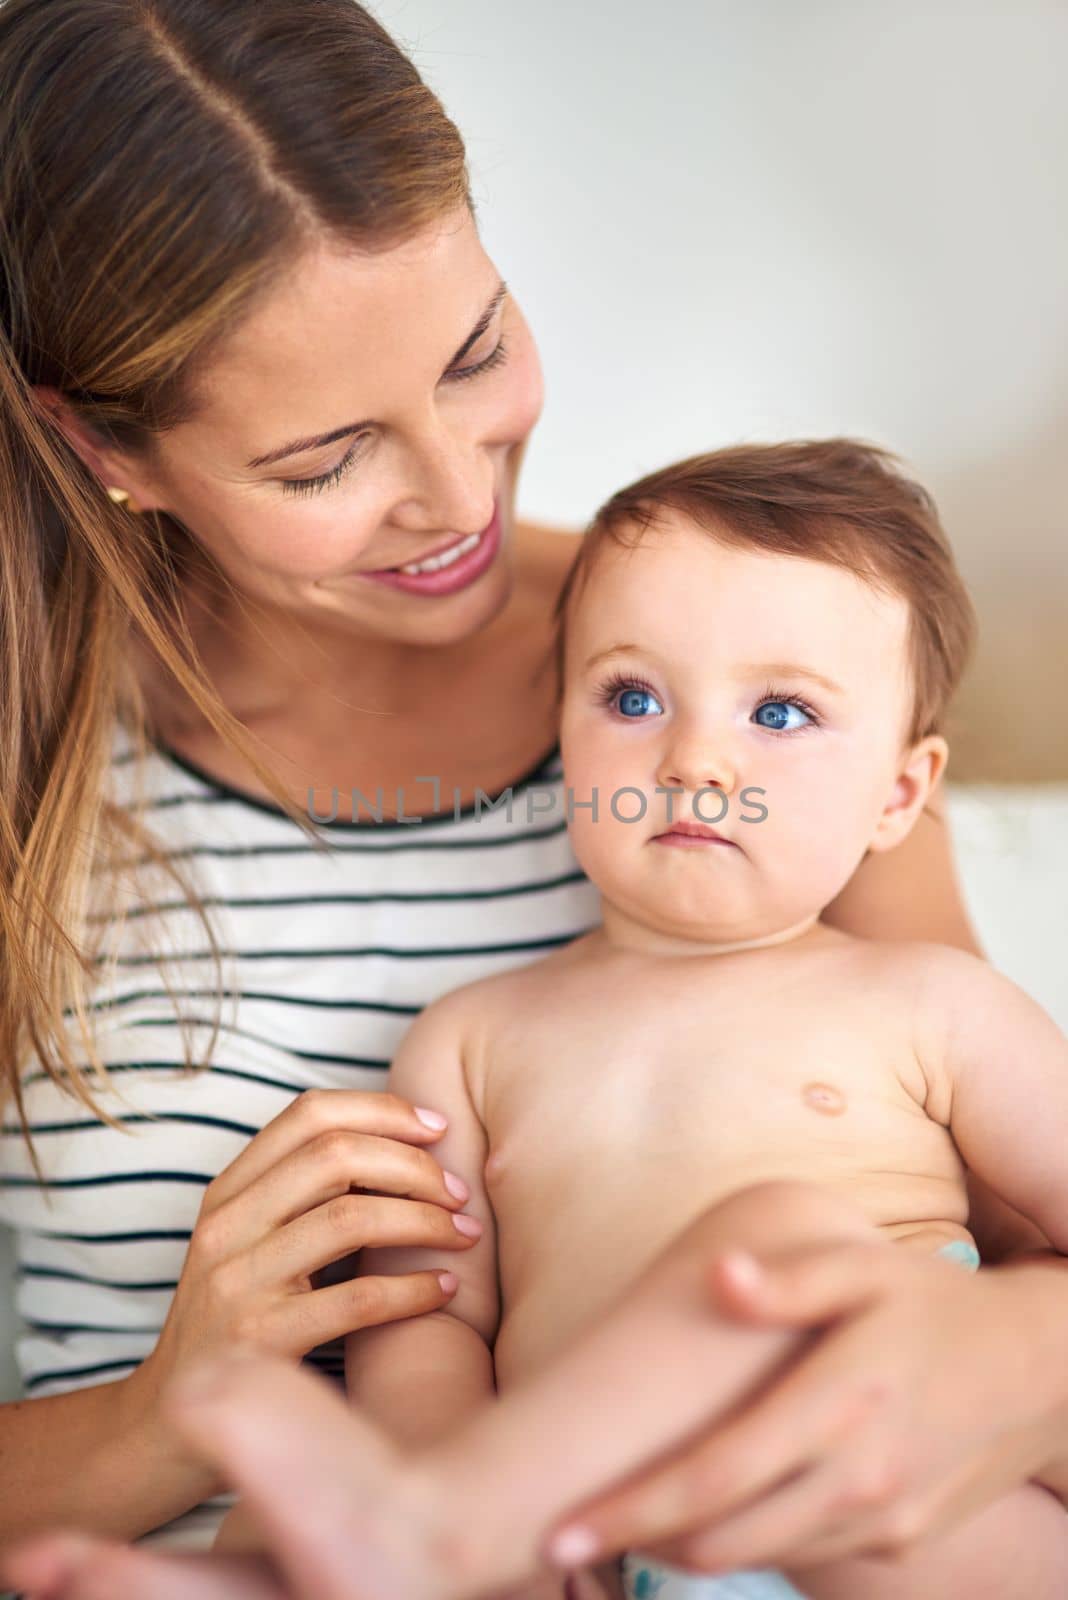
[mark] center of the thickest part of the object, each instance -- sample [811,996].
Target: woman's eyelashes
[313,485]
[496,358]
[778,712]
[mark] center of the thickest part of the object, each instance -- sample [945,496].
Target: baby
[757,649]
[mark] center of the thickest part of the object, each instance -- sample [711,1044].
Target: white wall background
[734,219]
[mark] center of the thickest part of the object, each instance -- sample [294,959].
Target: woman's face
[428,377]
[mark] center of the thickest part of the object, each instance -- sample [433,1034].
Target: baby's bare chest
[649,1083]
[621,1124]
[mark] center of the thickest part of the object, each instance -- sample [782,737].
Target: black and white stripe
[329,956]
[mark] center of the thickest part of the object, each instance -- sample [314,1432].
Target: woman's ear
[51,407]
[109,466]
[924,764]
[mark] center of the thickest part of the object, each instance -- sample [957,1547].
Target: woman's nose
[455,482]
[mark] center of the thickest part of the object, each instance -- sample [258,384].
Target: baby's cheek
[803,850]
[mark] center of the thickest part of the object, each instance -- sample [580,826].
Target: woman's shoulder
[546,552]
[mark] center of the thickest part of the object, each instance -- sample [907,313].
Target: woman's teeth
[446,559]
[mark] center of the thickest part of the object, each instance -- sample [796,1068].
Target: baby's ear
[923,765]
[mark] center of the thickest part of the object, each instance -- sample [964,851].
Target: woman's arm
[911,892]
[102,1458]
[77,1458]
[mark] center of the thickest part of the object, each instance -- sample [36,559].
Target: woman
[230,231]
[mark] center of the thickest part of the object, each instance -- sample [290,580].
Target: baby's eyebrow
[791,669]
[750,669]
[613,650]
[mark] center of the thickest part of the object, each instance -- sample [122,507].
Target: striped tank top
[328,955]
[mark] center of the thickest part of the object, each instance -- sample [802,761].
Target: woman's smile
[449,567]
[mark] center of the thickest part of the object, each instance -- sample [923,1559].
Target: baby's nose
[696,767]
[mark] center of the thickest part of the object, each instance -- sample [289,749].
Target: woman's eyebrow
[298,446]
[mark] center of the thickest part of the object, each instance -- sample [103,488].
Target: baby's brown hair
[841,501]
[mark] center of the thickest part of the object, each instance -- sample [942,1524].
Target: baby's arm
[998,1064]
[418,1377]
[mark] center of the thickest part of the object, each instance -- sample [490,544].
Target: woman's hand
[285,1210]
[925,1393]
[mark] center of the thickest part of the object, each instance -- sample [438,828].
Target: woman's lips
[457,574]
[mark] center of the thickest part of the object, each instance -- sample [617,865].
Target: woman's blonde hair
[163,163]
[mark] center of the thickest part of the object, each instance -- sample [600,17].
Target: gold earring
[121,497]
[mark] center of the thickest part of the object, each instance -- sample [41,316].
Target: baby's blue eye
[638,703]
[776,714]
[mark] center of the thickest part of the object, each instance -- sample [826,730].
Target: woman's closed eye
[327,480]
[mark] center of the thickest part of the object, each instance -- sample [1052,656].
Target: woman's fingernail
[449,1282]
[456,1186]
[573,1547]
[432,1119]
[469,1226]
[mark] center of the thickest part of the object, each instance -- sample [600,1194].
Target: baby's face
[694,664]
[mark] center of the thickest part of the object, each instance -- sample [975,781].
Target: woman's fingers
[323,1111]
[353,1222]
[61,1567]
[327,1165]
[802,1415]
[765,1532]
[885,1523]
[808,1287]
[307,1320]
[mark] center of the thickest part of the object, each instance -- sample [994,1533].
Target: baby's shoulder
[926,988]
[920,967]
[495,998]
[942,995]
